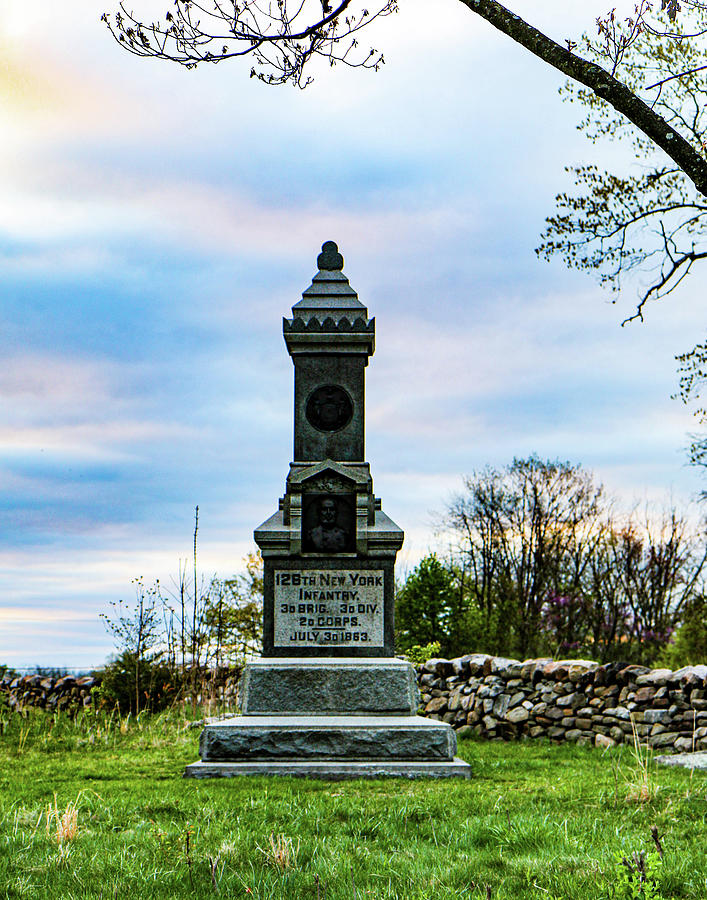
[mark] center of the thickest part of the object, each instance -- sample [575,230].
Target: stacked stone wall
[47,692]
[502,699]
[568,700]
[71,692]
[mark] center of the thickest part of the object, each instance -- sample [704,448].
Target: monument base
[329,719]
[327,738]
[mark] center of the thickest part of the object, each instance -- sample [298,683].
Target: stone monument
[328,698]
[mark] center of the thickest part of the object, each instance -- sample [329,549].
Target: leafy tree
[689,644]
[692,369]
[424,606]
[234,614]
[651,222]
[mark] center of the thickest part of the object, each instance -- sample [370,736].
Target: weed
[636,876]
[64,825]
[62,828]
[187,853]
[282,853]
[641,787]
[656,841]
[22,740]
[213,871]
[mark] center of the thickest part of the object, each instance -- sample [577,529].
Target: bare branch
[280,38]
[663,81]
[656,290]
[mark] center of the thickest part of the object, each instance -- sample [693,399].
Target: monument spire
[330,296]
[330,339]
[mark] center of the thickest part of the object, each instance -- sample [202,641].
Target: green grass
[535,821]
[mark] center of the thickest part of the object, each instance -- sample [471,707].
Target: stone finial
[330,259]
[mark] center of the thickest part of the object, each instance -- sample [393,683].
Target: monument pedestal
[294,686]
[329,699]
[331,719]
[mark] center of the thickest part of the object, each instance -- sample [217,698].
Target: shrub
[418,655]
[158,687]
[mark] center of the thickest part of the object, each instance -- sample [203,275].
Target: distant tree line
[540,563]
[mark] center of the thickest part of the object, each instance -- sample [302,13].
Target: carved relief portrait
[328,523]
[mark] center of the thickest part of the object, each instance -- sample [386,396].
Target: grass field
[98,808]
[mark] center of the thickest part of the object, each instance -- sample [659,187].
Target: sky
[157,223]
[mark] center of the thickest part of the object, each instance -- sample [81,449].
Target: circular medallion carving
[329,408]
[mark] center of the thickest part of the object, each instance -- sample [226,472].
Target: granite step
[307,738]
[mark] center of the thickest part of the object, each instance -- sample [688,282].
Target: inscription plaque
[328,608]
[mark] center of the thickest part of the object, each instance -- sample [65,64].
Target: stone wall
[568,700]
[496,698]
[47,692]
[71,692]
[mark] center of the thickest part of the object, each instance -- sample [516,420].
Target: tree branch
[266,31]
[601,82]
[686,259]
[673,77]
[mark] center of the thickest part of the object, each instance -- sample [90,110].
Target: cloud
[72,201]
[22,614]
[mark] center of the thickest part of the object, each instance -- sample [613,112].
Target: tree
[137,633]
[525,533]
[689,644]
[692,369]
[280,39]
[550,569]
[283,38]
[424,606]
[643,576]
[640,79]
[234,614]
